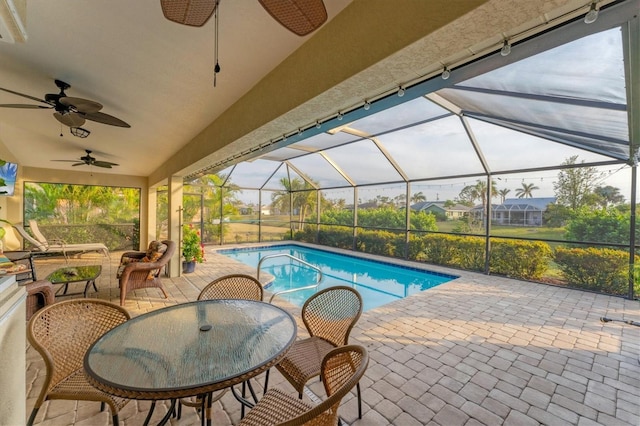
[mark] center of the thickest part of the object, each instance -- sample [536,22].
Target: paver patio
[477,350]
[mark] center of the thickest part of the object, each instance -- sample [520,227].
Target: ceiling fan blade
[105,164]
[33,98]
[81,105]
[101,117]
[79,164]
[25,106]
[194,13]
[66,161]
[298,16]
[71,119]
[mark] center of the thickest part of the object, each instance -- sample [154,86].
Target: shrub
[602,225]
[384,243]
[192,249]
[519,259]
[598,269]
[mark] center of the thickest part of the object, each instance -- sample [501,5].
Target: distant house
[265,210]
[438,208]
[517,211]
[244,209]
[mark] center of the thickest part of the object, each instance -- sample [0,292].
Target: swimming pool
[378,282]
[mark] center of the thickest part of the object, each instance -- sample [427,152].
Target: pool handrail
[271,256]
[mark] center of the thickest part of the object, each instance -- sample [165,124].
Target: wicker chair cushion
[154,252]
[303,361]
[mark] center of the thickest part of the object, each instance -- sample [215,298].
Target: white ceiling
[152,73]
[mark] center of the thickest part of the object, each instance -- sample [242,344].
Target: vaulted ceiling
[158,76]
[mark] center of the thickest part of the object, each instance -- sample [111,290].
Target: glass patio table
[190,349]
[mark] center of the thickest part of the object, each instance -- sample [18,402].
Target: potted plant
[192,248]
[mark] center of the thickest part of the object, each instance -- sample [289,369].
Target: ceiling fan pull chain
[216,69]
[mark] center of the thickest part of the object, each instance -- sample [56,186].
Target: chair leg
[116,421]
[359,401]
[32,417]
[102,406]
[244,394]
[266,381]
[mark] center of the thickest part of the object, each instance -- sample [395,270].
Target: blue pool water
[379,283]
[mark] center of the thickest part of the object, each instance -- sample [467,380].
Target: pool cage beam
[631,54]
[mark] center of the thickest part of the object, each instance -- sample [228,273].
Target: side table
[24,257]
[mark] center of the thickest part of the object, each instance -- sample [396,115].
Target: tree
[526,191]
[418,197]
[600,225]
[574,187]
[400,200]
[303,198]
[218,202]
[503,194]
[608,196]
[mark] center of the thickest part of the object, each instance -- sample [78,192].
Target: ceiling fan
[298,16]
[88,160]
[69,111]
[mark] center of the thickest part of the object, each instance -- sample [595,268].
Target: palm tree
[503,194]
[303,198]
[526,191]
[608,196]
[470,193]
[418,197]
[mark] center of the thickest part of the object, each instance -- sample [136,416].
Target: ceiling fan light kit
[79,132]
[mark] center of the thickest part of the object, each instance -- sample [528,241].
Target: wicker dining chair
[341,370]
[62,333]
[329,316]
[234,286]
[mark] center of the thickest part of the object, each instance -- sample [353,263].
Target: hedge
[512,258]
[598,269]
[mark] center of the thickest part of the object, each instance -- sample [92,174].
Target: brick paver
[477,350]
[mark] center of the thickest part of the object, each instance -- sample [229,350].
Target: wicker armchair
[137,274]
[329,315]
[341,370]
[235,286]
[62,333]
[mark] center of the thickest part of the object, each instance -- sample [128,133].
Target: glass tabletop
[190,348]
[72,274]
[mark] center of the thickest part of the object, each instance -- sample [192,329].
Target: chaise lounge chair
[59,247]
